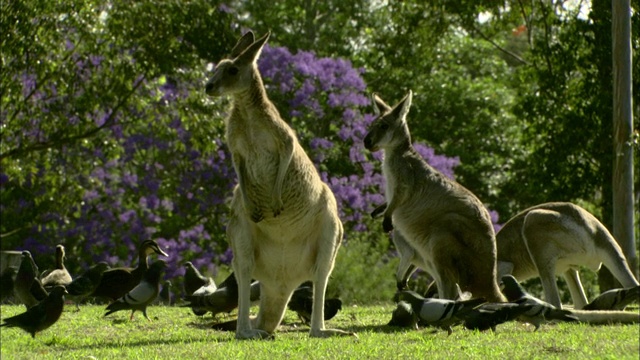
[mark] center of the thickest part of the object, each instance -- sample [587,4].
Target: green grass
[175,333]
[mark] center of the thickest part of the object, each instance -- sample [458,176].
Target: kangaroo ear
[380,107]
[247,39]
[402,109]
[252,52]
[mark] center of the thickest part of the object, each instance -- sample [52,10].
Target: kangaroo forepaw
[387,224]
[378,211]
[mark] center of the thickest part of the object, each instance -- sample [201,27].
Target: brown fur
[448,228]
[284,227]
[556,239]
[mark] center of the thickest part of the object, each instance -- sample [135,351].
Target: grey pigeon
[301,303]
[441,313]
[85,284]
[27,287]
[40,316]
[59,275]
[224,299]
[540,312]
[7,281]
[488,316]
[143,294]
[614,299]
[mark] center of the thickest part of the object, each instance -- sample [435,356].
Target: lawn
[175,333]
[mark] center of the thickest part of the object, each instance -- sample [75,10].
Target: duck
[41,316]
[141,295]
[59,275]
[117,282]
[85,284]
[28,288]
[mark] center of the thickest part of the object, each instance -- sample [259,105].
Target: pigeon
[224,299]
[27,286]
[403,316]
[197,284]
[489,315]
[59,275]
[40,316]
[85,284]
[165,297]
[143,294]
[302,303]
[440,313]
[116,282]
[614,299]
[193,279]
[7,280]
[540,312]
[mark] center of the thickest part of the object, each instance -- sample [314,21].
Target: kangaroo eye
[232,70]
[384,126]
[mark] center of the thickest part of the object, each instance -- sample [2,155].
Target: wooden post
[623,201]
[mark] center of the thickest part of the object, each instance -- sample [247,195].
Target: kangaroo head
[390,127]
[235,74]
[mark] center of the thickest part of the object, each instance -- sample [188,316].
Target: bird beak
[159,251]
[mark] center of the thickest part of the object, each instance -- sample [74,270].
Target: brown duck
[117,282]
[59,275]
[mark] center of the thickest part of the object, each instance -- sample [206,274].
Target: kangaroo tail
[607,317]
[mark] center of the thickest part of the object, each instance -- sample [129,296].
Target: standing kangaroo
[558,238]
[283,227]
[446,225]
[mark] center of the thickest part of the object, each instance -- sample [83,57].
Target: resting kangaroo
[283,227]
[558,238]
[448,228]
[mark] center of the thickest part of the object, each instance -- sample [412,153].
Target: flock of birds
[136,288]
[128,288]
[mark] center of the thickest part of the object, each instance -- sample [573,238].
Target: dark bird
[403,316]
[302,303]
[441,313]
[85,284]
[59,275]
[40,316]
[7,279]
[197,284]
[540,311]
[224,299]
[27,287]
[489,315]
[116,282]
[143,294]
[193,279]
[614,299]
[165,297]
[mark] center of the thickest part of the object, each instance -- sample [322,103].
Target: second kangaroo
[283,227]
[444,223]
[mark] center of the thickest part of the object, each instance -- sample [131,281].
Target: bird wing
[141,294]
